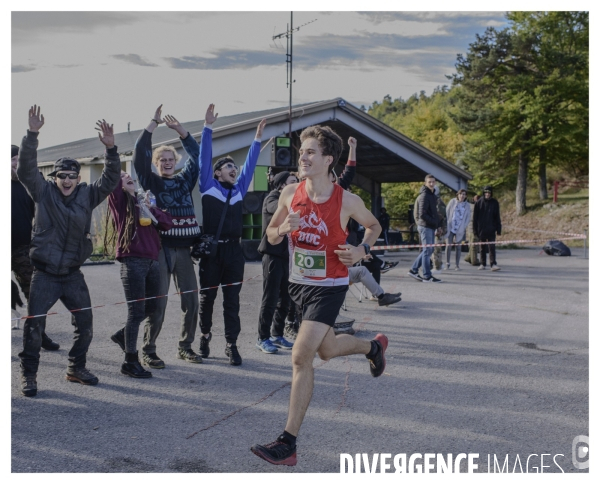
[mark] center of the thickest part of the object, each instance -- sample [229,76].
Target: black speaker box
[281,152]
[253,202]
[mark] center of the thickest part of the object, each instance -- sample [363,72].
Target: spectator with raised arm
[60,244]
[173,193]
[222,189]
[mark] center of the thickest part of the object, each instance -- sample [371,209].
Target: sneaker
[457,268]
[447,267]
[266,346]
[204,348]
[234,355]
[29,385]
[277,453]
[415,275]
[373,298]
[153,361]
[48,344]
[377,363]
[188,355]
[495,268]
[81,375]
[290,331]
[481,267]
[431,279]
[388,299]
[389,266]
[119,338]
[281,342]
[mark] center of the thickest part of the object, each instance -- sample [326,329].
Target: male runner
[314,214]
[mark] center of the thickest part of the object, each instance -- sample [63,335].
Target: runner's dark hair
[329,141]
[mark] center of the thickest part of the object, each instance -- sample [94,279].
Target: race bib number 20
[309,263]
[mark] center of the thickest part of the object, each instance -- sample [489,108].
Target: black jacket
[268,209]
[61,239]
[426,214]
[486,217]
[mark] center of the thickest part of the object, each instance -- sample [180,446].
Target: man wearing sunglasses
[60,244]
[227,267]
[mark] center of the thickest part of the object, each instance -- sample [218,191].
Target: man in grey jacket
[427,220]
[60,243]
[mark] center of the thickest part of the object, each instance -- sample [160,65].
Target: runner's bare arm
[353,207]
[283,222]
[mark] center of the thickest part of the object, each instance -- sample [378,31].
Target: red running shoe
[377,363]
[277,453]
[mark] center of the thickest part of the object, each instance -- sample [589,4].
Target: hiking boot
[377,362]
[234,356]
[188,355]
[388,299]
[431,279]
[281,342]
[153,361]
[29,385]
[495,268]
[204,348]
[481,267]
[290,331]
[119,338]
[415,275]
[277,453]
[48,344]
[131,367]
[81,375]
[266,346]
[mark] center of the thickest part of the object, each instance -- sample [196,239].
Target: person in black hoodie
[428,221]
[486,225]
[275,263]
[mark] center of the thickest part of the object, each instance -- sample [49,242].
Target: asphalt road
[488,363]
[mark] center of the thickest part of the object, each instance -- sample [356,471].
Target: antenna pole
[291,65]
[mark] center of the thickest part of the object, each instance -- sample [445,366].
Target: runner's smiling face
[312,162]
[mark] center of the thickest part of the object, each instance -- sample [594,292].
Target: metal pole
[585,244]
[291,74]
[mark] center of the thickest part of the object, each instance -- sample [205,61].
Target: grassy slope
[569,214]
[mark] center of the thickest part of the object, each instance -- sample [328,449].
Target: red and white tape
[134,300]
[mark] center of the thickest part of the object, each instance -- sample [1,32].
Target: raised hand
[157,115]
[106,134]
[260,128]
[210,117]
[35,120]
[352,142]
[176,125]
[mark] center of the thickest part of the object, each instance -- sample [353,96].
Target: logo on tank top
[312,222]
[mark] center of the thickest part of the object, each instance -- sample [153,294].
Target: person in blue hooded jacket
[227,267]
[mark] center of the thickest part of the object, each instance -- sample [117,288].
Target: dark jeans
[276,299]
[181,267]
[226,268]
[141,279]
[20,265]
[374,267]
[484,248]
[46,289]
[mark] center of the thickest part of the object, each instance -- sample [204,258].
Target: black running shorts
[318,303]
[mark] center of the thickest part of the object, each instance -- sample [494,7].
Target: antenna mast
[289,35]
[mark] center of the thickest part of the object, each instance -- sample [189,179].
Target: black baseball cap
[65,164]
[280,179]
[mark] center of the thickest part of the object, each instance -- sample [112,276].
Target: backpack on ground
[556,247]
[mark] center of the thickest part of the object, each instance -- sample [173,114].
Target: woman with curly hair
[137,247]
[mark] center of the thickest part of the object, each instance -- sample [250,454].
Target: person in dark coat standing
[428,221]
[275,262]
[384,221]
[486,225]
[21,222]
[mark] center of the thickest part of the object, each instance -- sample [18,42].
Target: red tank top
[312,260]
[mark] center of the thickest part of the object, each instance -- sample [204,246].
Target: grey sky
[82,66]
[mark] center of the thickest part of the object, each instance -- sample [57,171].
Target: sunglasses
[70,176]
[231,166]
